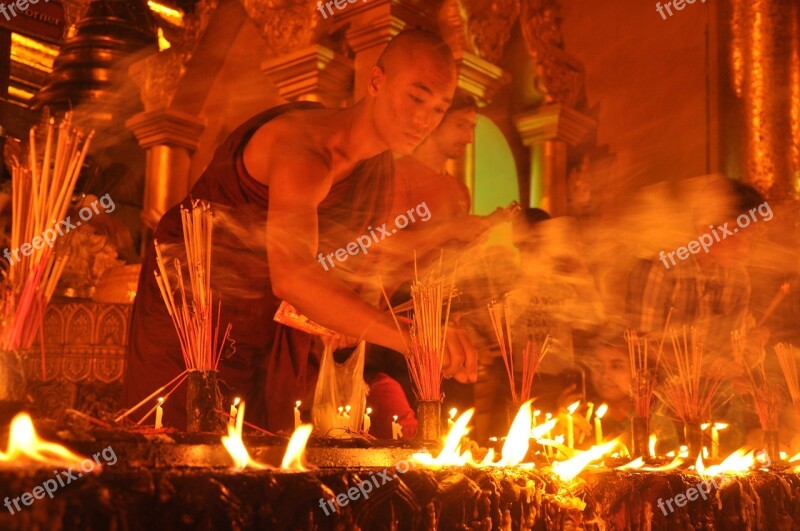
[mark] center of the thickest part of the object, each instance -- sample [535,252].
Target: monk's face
[456,132]
[410,100]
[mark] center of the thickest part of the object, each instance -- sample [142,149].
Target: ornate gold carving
[287,25]
[560,76]
[490,26]
[85,341]
[159,74]
[482,27]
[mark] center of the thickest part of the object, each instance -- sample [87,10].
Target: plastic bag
[339,386]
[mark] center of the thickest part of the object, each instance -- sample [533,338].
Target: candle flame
[601,411]
[572,407]
[25,445]
[569,469]
[294,457]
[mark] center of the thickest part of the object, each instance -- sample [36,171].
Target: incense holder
[12,378]
[429,420]
[640,436]
[203,400]
[693,433]
[772,445]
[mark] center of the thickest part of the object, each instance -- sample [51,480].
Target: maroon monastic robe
[269,368]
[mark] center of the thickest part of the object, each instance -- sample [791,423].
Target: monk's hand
[337,341]
[460,360]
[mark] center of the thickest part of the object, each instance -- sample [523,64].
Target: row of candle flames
[26,446]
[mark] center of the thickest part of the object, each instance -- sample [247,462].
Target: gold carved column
[477,33]
[302,68]
[169,137]
[556,122]
[167,134]
[547,132]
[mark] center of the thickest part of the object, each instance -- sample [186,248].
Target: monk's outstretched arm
[295,191]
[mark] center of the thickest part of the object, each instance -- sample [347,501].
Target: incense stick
[428,331]
[193,315]
[690,395]
[786,358]
[643,378]
[41,194]
[532,354]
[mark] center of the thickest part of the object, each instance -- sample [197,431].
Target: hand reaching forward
[460,357]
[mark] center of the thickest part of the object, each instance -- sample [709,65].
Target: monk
[422,178]
[295,171]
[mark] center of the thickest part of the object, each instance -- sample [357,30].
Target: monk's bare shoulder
[295,140]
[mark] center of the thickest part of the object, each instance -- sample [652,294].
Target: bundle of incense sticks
[766,397]
[689,394]
[643,377]
[428,331]
[786,358]
[42,188]
[193,321]
[532,355]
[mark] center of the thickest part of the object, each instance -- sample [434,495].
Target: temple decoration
[547,131]
[286,25]
[87,69]
[759,87]
[559,75]
[168,134]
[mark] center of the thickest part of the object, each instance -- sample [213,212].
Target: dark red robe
[269,369]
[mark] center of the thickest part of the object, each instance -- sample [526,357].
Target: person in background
[711,292]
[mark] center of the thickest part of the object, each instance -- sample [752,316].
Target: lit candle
[159,413]
[340,417]
[451,421]
[549,449]
[570,425]
[234,412]
[589,410]
[367,420]
[652,444]
[598,423]
[346,416]
[397,429]
[297,420]
[715,438]
[536,413]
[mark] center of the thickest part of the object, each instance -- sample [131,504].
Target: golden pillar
[547,132]
[169,137]
[759,106]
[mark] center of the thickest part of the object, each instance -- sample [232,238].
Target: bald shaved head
[410,45]
[410,88]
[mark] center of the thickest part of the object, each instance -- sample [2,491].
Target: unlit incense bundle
[425,353]
[532,354]
[41,191]
[193,315]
